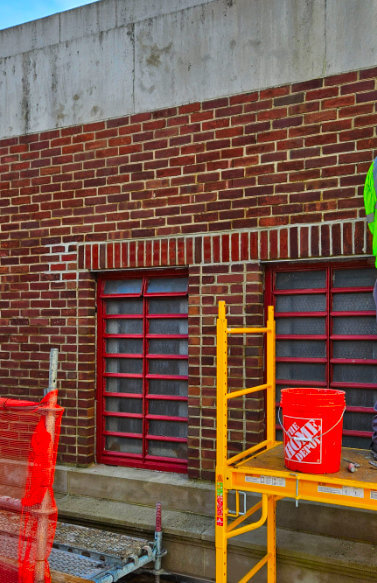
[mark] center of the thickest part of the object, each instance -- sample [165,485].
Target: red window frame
[328,337]
[144,459]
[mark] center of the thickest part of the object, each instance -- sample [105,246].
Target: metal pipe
[45,509]
[117,572]
[53,371]
[158,538]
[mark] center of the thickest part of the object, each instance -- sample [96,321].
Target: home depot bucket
[312,427]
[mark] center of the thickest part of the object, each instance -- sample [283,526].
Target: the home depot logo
[303,441]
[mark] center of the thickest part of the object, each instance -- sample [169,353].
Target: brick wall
[218,187]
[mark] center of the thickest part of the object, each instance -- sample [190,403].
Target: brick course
[216,187]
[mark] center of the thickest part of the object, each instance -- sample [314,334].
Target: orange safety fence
[29,436]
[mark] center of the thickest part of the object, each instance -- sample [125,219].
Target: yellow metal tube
[221,453]
[254,525]
[240,519]
[247,330]
[270,399]
[255,570]
[243,392]
[222,387]
[271,540]
[247,452]
[221,545]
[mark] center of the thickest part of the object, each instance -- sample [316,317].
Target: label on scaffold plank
[266,480]
[373,495]
[219,501]
[342,491]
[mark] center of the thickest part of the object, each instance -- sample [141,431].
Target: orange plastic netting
[29,435]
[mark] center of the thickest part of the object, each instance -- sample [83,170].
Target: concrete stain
[26,91]
[154,58]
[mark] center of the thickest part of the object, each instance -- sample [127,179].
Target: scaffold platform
[86,554]
[83,554]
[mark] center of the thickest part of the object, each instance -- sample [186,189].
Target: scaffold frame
[260,469]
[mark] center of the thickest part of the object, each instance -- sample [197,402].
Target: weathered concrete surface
[115,57]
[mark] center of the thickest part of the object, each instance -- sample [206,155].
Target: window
[326,336]
[143,371]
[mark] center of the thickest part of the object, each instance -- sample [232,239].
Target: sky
[13,12]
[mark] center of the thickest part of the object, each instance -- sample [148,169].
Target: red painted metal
[328,338]
[143,459]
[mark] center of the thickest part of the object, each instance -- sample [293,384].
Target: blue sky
[13,12]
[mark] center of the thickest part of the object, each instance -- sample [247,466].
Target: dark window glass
[301,348]
[114,443]
[300,280]
[167,285]
[168,387]
[123,286]
[166,346]
[170,408]
[174,305]
[123,346]
[302,326]
[168,326]
[301,303]
[167,428]
[123,307]
[129,326]
[124,365]
[354,277]
[123,385]
[123,405]
[124,425]
[351,302]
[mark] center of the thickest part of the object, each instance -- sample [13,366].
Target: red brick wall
[216,186]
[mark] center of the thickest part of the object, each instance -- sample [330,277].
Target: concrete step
[134,486]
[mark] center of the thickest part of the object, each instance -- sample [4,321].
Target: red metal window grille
[143,370]
[327,336]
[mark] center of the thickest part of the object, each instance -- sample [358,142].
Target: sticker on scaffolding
[373,495]
[342,490]
[303,441]
[266,480]
[219,501]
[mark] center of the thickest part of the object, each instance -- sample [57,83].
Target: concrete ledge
[134,486]
[134,518]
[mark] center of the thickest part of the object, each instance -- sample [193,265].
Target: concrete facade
[116,57]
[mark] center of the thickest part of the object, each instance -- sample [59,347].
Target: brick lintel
[306,241]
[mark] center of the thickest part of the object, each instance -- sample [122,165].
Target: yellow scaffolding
[260,469]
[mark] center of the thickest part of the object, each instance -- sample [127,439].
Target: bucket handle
[320,435]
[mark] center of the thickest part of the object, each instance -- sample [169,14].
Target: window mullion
[145,364]
[328,325]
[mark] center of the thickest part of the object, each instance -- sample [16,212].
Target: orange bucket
[312,427]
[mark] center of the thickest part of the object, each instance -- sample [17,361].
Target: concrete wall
[116,57]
